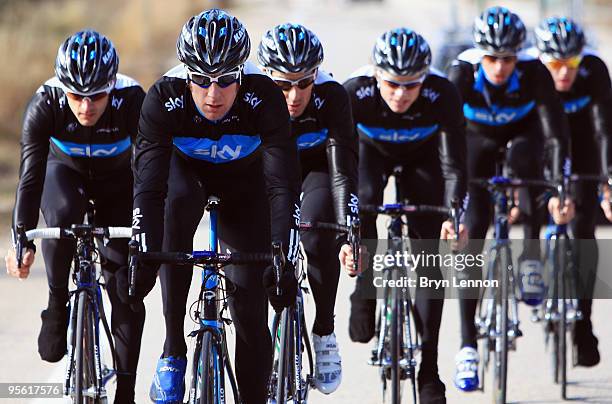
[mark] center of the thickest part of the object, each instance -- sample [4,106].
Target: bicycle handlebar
[277,259]
[352,232]
[21,237]
[396,209]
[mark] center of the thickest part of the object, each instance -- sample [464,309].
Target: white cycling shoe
[328,372]
[466,373]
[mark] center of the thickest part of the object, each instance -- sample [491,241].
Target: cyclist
[583,83]
[322,125]
[215,125]
[76,147]
[410,116]
[506,96]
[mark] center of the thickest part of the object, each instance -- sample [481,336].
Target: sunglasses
[408,85]
[302,83]
[557,64]
[223,81]
[92,97]
[503,59]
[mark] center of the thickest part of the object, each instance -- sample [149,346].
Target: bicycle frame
[86,278]
[395,349]
[210,321]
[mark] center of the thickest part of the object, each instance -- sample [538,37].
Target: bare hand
[11,263]
[347,262]
[606,204]
[561,215]
[514,215]
[447,232]
[515,211]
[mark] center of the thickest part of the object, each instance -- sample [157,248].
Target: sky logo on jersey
[92,150]
[402,135]
[311,139]
[497,116]
[364,92]
[174,103]
[573,106]
[227,148]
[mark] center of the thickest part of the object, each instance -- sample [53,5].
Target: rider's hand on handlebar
[347,262]
[447,232]
[11,263]
[561,215]
[606,204]
[287,285]
[515,210]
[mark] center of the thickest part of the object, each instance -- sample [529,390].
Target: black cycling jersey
[96,152]
[256,128]
[588,106]
[515,106]
[327,141]
[434,117]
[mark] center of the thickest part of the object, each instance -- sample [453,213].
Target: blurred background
[145,31]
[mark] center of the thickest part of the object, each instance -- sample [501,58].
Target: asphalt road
[348,32]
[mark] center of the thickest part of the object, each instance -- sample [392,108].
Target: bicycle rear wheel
[84,374]
[500,366]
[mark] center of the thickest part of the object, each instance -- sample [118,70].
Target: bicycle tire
[396,381]
[283,380]
[83,364]
[500,367]
[563,320]
[207,362]
[407,304]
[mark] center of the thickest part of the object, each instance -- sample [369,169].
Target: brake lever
[278,263]
[455,217]
[134,249]
[20,239]
[354,239]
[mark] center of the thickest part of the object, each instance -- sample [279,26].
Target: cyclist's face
[214,101]
[87,110]
[564,74]
[298,95]
[498,69]
[399,97]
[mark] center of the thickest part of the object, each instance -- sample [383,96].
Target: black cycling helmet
[499,31]
[402,52]
[560,38]
[87,63]
[213,42]
[290,48]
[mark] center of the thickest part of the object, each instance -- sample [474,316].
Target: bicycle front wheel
[208,361]
[283,378]
[84,374]
[396,349]
[500,368]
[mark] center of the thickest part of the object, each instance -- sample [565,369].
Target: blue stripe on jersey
[311,139]
[575,105]
[227,148]
[93,150]
[401,135]
[497,116]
